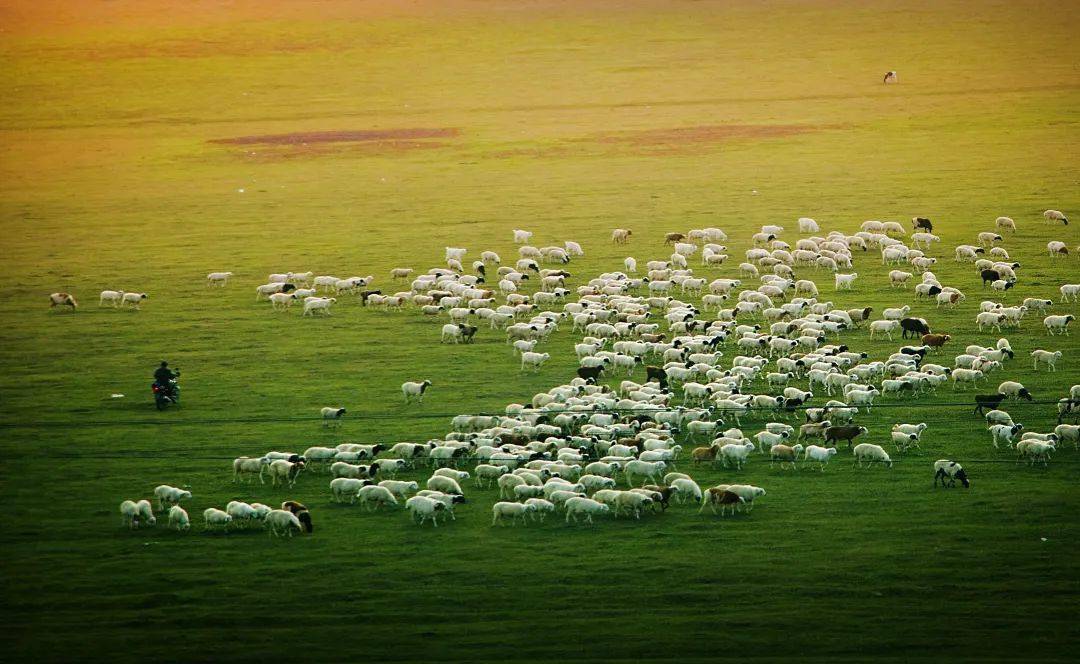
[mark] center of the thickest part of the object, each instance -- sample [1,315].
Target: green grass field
[123,165]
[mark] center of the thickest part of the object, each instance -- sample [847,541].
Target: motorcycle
[166,394]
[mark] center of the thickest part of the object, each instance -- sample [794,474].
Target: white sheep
[736,453]
[1070,291]
[1004,433]
[944,469]
[514,511]
[424,508]
[1057,324]
[284,470]
[413,389]
[884,326]
[178,518]
[845,281]
[281,522]
[818,454]
[1014,390]
[169,495]
[586,507]
[1046,357]
[281,301]
[621,235]
[346,487]
[444,484]
[135,514]
[870,453]
[213,517]
[218,279]
[1055,216]
[535,360]
[321,305]
[373,496]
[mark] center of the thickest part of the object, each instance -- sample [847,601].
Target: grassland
[568,119]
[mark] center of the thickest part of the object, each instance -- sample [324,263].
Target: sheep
[515,511]
[988,238]
[62,300]
[134,514]
[685,488]
[413,389]
[1048,358]
[945,469]
[748,493]
[819,454]
[346,487]
[110,297]
[1035,450]
[178,517]
[1057,324]
[838,433]
[331,416]
[169,495]
[284,470]
[1052,216]
[425,508]
[870,453]
[250,466]
[1070,291]
[585,507]
[1004,433]
[719,495]
[1014,389]
[281,301]
[212,516]
[736,454]
[321,305]
[785,454]
[650,470]
[535,360]
[621,235]
[884,326]
[845,281]
[899,278]
[444,484]
[374,496]
[990,319]
[1005,223]
[282,522]
[767,439]
[1068,432]
[966,376]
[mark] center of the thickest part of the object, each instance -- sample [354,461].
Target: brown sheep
[719,495]
[672,238]
[62,300]
[703,454]
[935,340]
[293,506]
[848,433]
[813,430]
[665,494]
[785,454]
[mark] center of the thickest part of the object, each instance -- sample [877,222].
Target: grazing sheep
[444,484]
[62,300]
[870,453]
[374,496]
[282,470]
[1054,216]
[213,517]
[134,514]
[1067,433]
[412,389]
[282,522]
[178,517]
[1014,389]
[945,469]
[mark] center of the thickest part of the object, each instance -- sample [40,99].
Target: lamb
[282,522]
[1046,357]
[1058,324]
[1015,390]
[413,389]
[110,297]
[169,495]
[586,507]
[284,470]
[62,300]
[134,514]
[213,517]
[281,301]
[321,305]
[945,469]
[621,235]
[870,453]
[845,281]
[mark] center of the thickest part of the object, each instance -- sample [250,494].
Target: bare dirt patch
[346,136]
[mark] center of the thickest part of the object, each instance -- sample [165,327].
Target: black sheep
[989,276]
[917,327]
[991,401]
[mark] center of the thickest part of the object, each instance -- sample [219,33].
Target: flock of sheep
[568,448]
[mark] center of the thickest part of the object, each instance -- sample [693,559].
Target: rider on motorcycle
[164,377]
